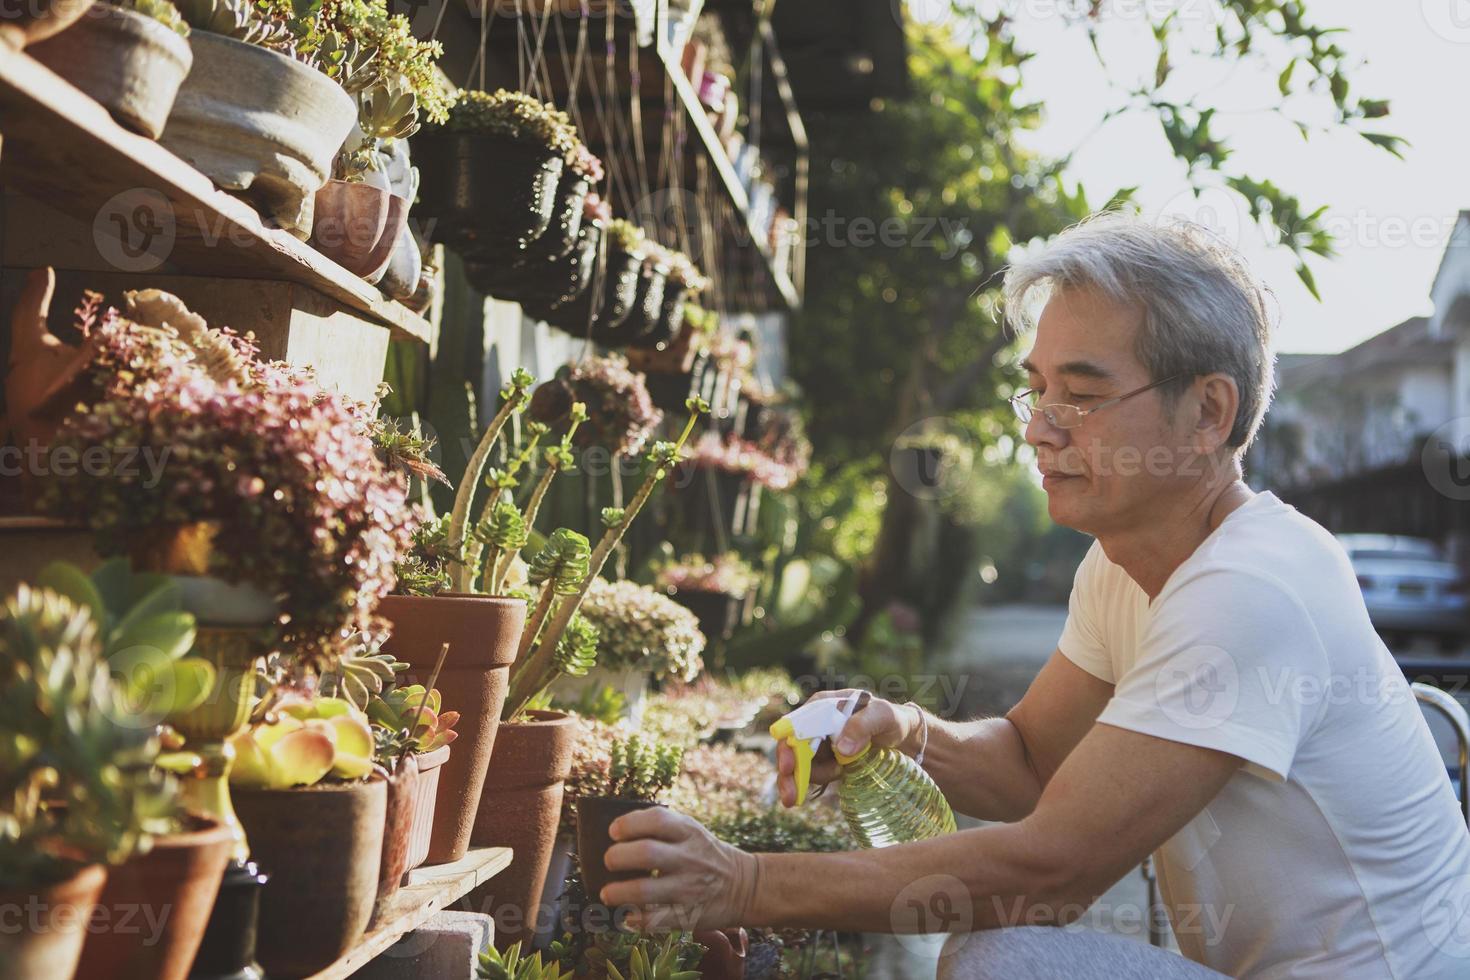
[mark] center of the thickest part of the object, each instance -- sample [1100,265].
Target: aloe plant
[511,965]
[145,635]
[302,743]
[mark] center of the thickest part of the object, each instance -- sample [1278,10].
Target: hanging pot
[130,63]
[53,949]
[487,197]
[321,846]
[482,633]
[260,123]
[670,317]
[560,236]
[594,815]
[521,809]
[613,302]
[167,894]
[397,829]
[648,302]
[425,791]
[545,287]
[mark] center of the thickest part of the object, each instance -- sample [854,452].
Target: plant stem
[533,626]
[428,689]
[465,495]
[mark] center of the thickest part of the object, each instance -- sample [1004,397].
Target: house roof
[1409,343]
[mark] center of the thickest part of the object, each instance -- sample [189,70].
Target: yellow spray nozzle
[783,730]
[804,729]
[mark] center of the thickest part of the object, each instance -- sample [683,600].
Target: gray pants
[1048,953]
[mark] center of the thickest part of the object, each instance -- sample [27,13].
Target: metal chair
[1444,703]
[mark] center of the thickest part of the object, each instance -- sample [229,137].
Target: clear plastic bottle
[888,798]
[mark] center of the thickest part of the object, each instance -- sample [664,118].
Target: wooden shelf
[429,890]
[62,148]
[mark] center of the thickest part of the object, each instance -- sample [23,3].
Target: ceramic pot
[321,846]
[166,895]
[631,682]
[260,123]
[425,791]
[29,23]
[486,196]
[483,633]
[130,63]
[397,830]
[350,223]
[521,809]
[400,277]
[594,815]
[53,950]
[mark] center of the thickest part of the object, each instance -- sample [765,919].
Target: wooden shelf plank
[63,148]
[429,890]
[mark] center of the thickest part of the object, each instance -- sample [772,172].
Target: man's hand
[880,722]
[702,882]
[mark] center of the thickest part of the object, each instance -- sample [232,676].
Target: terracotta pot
[28,23]
[350,221]
[161,903]
[521,809]
[64,908]
[397,828]
[488,197]
[425,790]
[261,123]
[321,846]
[482,633]
[724,955]
[594,815]
[130,63]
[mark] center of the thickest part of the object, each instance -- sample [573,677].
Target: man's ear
[1219,401]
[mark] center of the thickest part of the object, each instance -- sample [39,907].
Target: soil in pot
[260,123]
[594,815]
[65,908]
[160,903]
[321,846]
[425,790]
[521,809]
[397,828]
[350,224]
[482,633]
[130,63]
[489,197]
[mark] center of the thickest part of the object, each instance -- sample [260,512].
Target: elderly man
[1218,697]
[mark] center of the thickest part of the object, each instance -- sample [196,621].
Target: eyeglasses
[1070,416]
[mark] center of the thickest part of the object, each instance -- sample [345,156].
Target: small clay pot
[425,790]
[521,809]
[482,633]
[350,224]
[594,815]
[167,894]
[724,954]
[397,828]
[130,63]
[52,950]
[321,846]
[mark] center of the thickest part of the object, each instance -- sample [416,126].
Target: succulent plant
[65,734]
[643,628]
[162,11]
[397,708]
[516,116]
[617,955]
[361,673]
[641,769]
[388,109]
[461,542]
[424,569]
[624,235]
[303,742]
[242,20]
[511,965]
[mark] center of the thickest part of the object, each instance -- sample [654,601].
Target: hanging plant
[620,414]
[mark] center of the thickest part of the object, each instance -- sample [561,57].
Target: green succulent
[516,116]
[511,965]
[642,769]
[624,235]
[562,562]
[65,733]
[576,651]
[396,709]
[388,109]
[242,20]
[361,674]
[160,10]
[625,956]
[423,570]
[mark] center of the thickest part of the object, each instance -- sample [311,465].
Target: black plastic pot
[542,288]
[670,317]
[670,391]
[594,815]
[614,301]
[504,276]
[487,197]
[648,302]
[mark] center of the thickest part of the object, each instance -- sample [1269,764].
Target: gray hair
[1203,311]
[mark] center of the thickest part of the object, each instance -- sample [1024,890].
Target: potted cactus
[491,172]
[129,55]
[639,772]
[313,807]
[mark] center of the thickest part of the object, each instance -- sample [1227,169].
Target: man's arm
[997,768]
[1114,799]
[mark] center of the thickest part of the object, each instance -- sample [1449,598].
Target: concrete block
[446,947]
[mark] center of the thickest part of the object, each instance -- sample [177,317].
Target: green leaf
[193,679]
[170,633]
[1310,281]
[1283,81]
[67,579]
[162,599]
[1387,142]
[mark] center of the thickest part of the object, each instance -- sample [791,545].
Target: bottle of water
[887,798]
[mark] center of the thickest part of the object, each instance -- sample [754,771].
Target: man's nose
[1039,432]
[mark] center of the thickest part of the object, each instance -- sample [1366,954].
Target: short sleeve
[1230,660]
[1082,636]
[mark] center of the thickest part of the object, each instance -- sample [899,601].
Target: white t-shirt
[1337,852]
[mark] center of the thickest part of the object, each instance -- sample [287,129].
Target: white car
[1409,587]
